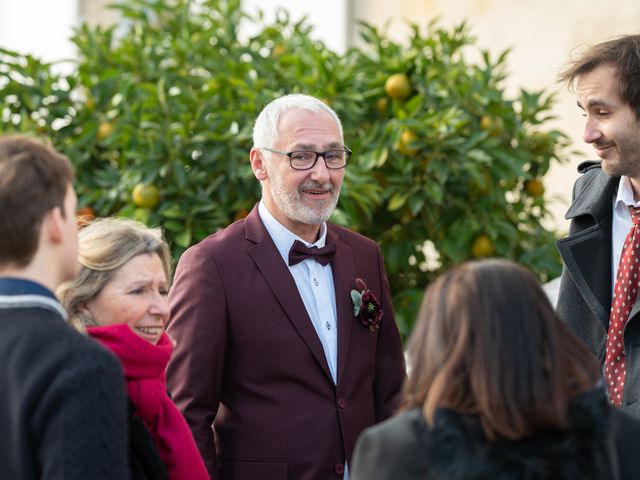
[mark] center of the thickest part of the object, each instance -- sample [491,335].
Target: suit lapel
[343,280]
[587,253]
[268,260]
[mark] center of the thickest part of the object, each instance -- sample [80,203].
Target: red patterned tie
[624,296]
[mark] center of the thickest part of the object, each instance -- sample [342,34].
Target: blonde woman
[120,299]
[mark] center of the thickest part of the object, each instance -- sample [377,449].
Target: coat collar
[344,277]
[22,293]
[455,448]
[586,252]
[595,198]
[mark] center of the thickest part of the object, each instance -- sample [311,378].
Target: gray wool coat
[584,299]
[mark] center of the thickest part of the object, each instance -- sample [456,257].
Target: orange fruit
[534,187]
[494,126]
[382,104]
[104,130]
[398,86]
[485,123]
[145,195]
[482,247]
[83,211]
[540,143]
[85,216]
[405,145]
[240,214]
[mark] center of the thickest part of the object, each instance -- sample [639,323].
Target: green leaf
[184,238]
[397,201]
[356,298]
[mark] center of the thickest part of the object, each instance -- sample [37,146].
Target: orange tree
[157,117]
[459,164]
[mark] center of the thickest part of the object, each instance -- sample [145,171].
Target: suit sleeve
[390,365]
[198,328]
[82,422]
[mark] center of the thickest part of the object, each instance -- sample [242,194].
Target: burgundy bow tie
[299,252]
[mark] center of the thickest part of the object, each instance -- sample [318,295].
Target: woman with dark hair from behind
[499,388]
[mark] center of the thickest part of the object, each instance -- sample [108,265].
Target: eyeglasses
[306,159]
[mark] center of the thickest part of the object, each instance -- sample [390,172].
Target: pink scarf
[144,365]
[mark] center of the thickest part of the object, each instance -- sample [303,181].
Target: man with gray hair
[286,342]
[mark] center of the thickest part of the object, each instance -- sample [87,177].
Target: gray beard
[293,208]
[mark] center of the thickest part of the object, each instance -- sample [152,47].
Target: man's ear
[52,225]
[257,164]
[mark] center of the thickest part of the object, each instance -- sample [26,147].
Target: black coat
[599,440]
[146,463]
[584,297]
[63,410]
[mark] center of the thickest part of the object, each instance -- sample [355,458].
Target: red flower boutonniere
[366,307]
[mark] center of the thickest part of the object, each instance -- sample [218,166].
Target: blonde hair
[105,245]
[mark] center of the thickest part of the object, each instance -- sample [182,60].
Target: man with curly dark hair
[599,286]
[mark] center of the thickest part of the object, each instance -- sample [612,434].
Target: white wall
[328,17]
[97,12]
[39,27]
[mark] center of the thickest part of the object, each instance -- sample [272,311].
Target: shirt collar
[10,286]
[624,196]
[283,237]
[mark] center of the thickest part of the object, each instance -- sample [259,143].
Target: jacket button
[342,403]
[339,469]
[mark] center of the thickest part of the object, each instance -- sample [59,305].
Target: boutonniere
[366,307]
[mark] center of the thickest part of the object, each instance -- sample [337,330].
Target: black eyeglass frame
[318,155]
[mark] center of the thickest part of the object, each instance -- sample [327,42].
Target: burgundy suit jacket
[249,372]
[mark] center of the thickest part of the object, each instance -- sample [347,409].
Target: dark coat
[584,297]
[63,404]
[598,441]
[146,463]
[248,358]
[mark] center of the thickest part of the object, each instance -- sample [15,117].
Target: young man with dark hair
[63,407]
[601,279]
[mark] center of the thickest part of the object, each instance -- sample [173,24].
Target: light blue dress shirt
[315,285]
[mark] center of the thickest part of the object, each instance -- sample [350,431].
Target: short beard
[292,207]
[627,165]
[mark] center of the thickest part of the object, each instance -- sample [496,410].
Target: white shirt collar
[283,237]
[625,193]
